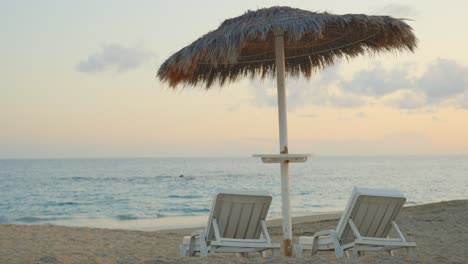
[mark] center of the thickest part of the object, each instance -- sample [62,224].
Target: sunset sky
[78,79]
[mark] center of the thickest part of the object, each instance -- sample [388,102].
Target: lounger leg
[339,252]
[314,245]
[298,248]
[391,253]
[183,250]
[203,245]
[338,249]
[203,252]
[192,246]
[263,253]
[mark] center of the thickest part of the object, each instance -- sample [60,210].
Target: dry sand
[440,231]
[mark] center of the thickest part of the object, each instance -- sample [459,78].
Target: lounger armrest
[197,232]
[330,239]
[310,240]
[203,247]
[334,236]
[326,233]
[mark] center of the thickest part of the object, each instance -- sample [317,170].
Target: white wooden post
[283,140]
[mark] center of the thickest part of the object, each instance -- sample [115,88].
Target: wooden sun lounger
[364,226]
[236,224]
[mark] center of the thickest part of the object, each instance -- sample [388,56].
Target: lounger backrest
[372,211]
[238,214]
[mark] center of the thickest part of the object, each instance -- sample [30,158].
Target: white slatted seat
[364,226]
[236,225]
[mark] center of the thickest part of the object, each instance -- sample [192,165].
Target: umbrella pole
[283,136]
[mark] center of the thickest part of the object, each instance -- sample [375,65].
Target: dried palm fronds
[244,45]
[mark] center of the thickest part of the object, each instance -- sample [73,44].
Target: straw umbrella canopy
[280,41]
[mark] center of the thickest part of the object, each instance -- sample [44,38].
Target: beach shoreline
[439,229]
[168,224]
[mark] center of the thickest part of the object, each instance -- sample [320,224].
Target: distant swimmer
[181,176]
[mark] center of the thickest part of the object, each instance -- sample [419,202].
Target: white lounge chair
[236,225]
[364,226]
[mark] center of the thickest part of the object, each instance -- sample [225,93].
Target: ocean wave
[200,210]
[186,178]
[129,217]
[187,211]
[33,219]
[147,179]
[126,217]
[193,196]
[115,179]
[78,178]
[60,203]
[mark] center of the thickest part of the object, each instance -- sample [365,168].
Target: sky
[78,79]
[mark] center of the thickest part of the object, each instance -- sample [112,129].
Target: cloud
[406,99]
[463,100]
[397,10]
[443,82]
[442,79]
[378,81]
[114,57]
[320,90]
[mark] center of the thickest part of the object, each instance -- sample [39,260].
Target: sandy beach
[439,229]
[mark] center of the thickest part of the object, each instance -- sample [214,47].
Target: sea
[165,193]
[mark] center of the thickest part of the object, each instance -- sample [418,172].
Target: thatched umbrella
[279,40]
